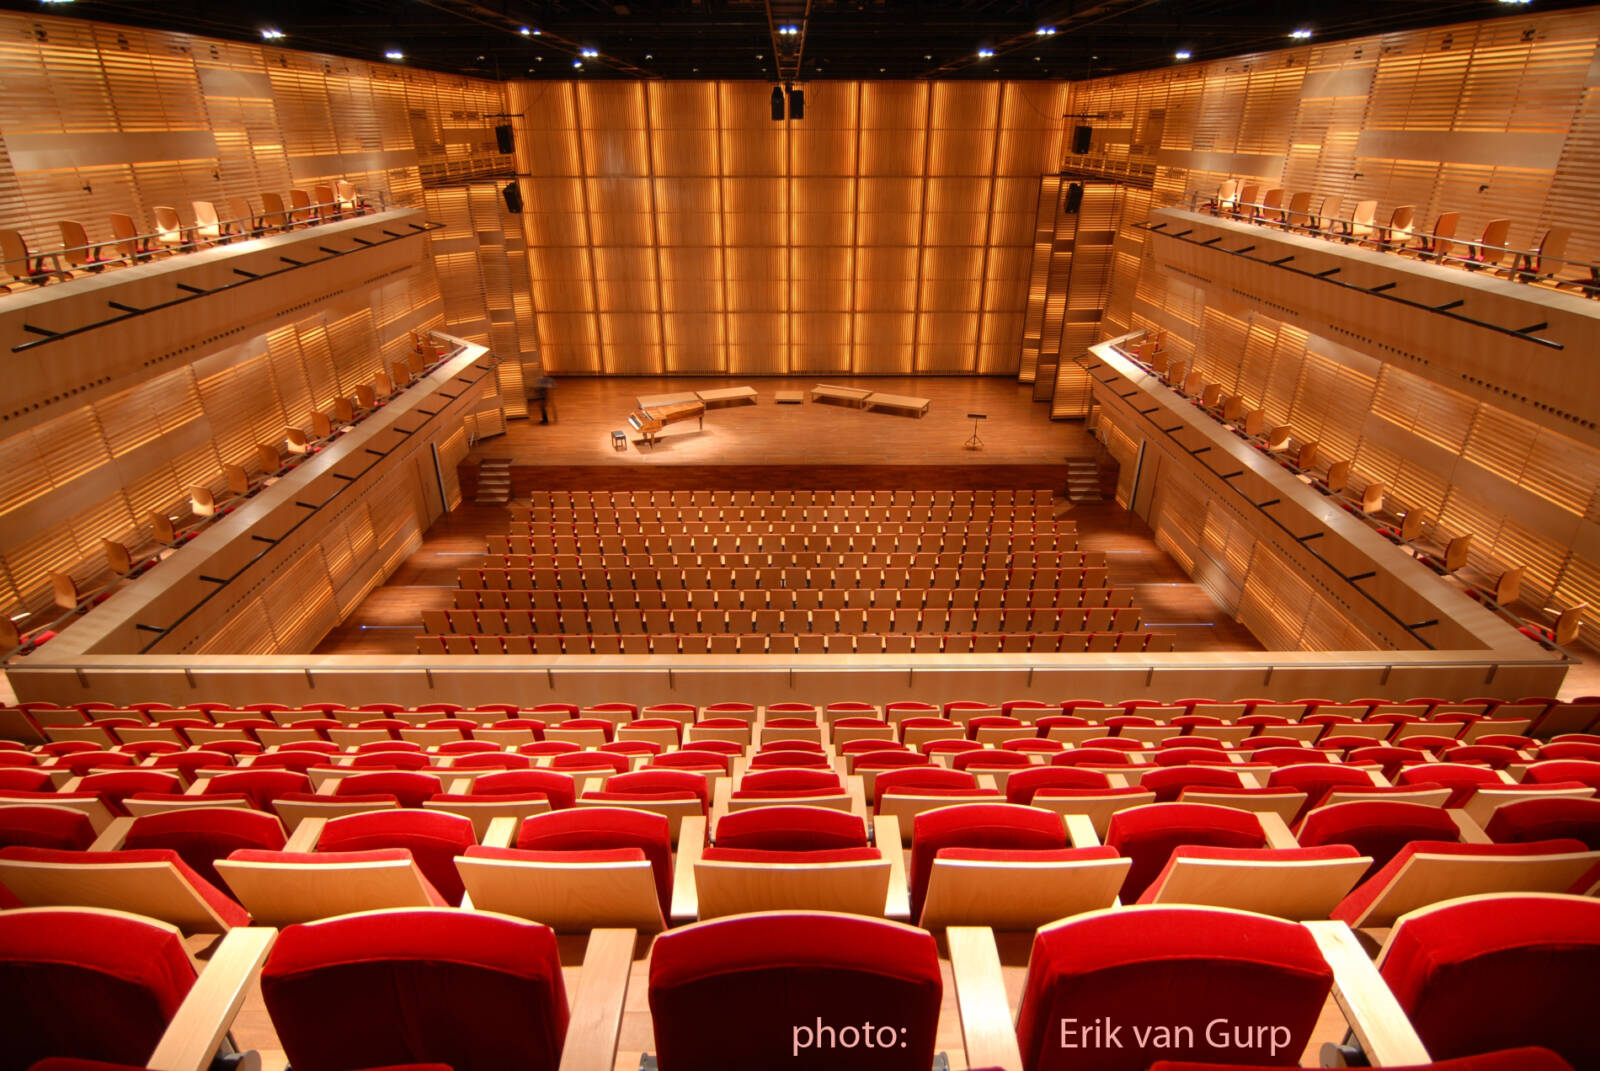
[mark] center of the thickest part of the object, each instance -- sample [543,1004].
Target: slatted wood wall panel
[674,228]
[98,119]
[97,472]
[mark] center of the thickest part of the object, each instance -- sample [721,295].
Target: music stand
[975,443]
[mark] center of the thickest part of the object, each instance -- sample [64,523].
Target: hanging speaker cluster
[513,195]
[503,139]
[796,99]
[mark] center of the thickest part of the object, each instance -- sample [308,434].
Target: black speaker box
[1081,136]
[503,139]
[513,195]
[1074,198]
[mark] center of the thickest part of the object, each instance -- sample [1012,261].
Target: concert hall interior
[809,535]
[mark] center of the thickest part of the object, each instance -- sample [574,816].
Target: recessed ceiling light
[985,53]
[1301,34]
[394,54]
[267,35]
[526,32]
[648,55]
[927,55]
[1516,1]
[1046,31]
[577,63]
[1181,54]
[55,1]
[589,53]
[789,31]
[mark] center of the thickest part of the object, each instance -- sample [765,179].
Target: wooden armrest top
[886,835]
[1471,832]
[502,831]
[685,895]
[988,1035]
[113,836]
[596,1018]
[1080,831]
[203,1019]
[1371,1010]
[1276,830]
[305,835]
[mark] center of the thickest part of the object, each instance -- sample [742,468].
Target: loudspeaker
[777,104]
[503,138]
[513,195]
[797,104]
[1074,198]
[1081,136]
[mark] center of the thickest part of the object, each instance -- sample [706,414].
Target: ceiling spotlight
[927,55]
[985,53]
[526,32]
[1181,54]
[272,35]
[648,55]
[1046,31]
[589,53]
[395,54]
[55,2]
[1301,34]
[577,63]
[789,31]
[1516,1]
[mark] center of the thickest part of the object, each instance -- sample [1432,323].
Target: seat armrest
[1471,832]
[1276,830]
[855,788]
[305,835]
[988,1034]
[685,895]
[192,1038]
[1080,831]
[1371,1010]
[502,831]
[111,840]
[886,836]
[596,1018]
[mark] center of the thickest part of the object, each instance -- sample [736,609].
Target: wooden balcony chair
[1362,224]
[1490,251]
[78,251]
[1545,262]
[207,227]
[1271,210]
[125,236]
[1299,215]
[169,228]
[1438,243]
[1245,203]
[21,266]
[327,205]
[351,203]
[1563,632]
[273,215]
[1396,234]
[1325,220]
[1223,201]
[301,214]
[242,220]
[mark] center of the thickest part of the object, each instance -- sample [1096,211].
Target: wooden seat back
[1299,214]
[75,243]
[242,218]
[272,212]
[124,235]
[117,556]
[202,501]
[238,479]
[169,228]
[300,211]
[64,591]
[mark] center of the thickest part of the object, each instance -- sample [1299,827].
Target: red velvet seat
[1316,780]
[662,783]
[1091,756]
[87,984]
[920,779]
[25,779]
[1142,967]
[434,839]
[1580,770]
[45,827]
[117,786]
[589,760]
[791,829]
[1355,907]
[1571,749]
[1190,756]
[1001,826]
[260,787]
[1169,782]
[603,725]
[558,788]
[763,976]
[82,762]
[588,829]
[202,835]
[496,760]
[1377,828]
[1148,835]
[768,760]
[390,760]
[473,991]
[1022,785]
[299,761]
[991,759]
[1496,758]
[407,786]
[1508,1060]
[789,781]
[1449,965]
[1528,820]
[1462,780]
[220,904]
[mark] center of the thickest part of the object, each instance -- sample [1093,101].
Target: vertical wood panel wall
[674,228]
[97,118]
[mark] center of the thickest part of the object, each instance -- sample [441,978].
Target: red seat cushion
[1377,828]
[1449,965]
[229,911]
[1559,816]
[1352,907]
[783,780]
[87,984]
[1008,855]
[25,779]
[1146,967]
[977,825]
[1149,835]
[260,787]
[1461,779]
[1581,770]
[558,788]
[791,829]
[202,835]
[475,992]
[45,827]
[1255,855]
[597,828]
[434,839]
[409,787]
[1021,785]
[736,993]
[662,783]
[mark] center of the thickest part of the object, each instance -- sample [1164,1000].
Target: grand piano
[648,421]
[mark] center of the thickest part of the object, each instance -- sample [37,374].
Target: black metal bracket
[1368,575]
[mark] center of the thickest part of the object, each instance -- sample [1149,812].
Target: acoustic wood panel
[674,228]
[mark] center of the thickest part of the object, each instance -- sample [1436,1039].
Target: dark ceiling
[736,38]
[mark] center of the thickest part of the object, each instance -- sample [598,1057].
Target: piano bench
[619,441]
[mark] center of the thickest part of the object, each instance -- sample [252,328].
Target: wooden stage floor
[1018,432]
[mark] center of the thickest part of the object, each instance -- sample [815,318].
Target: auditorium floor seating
[1122,832]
